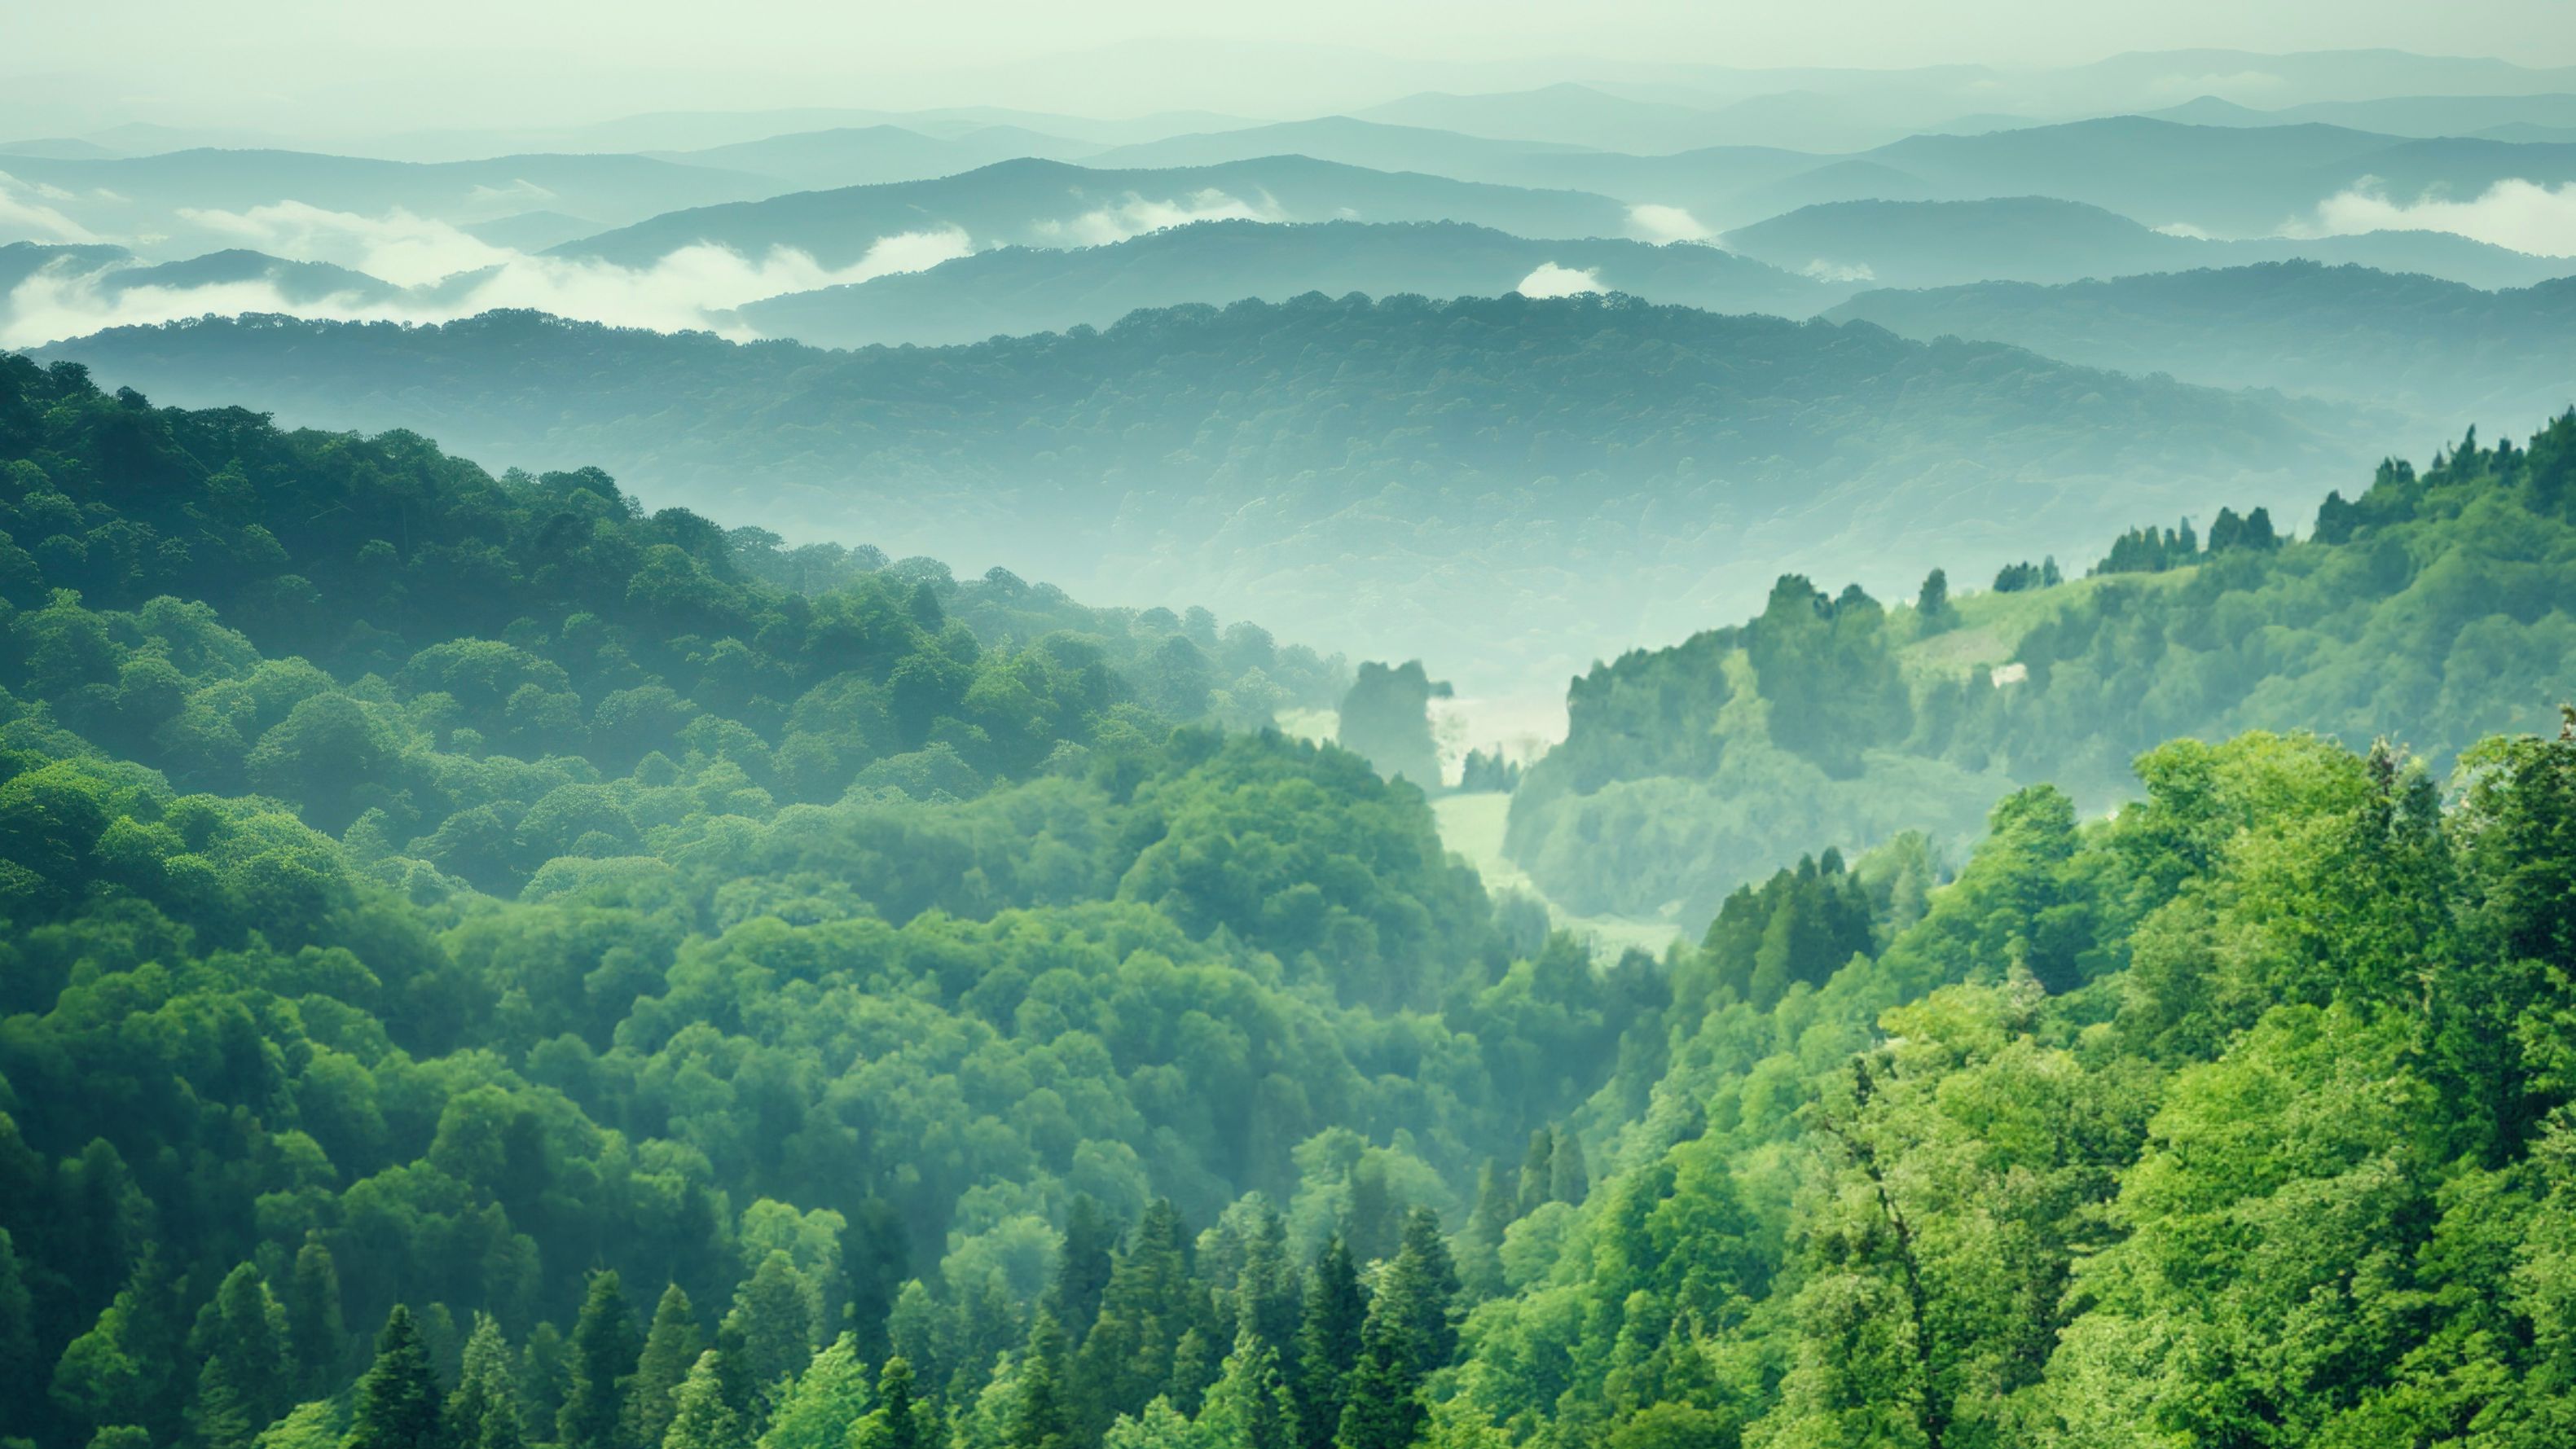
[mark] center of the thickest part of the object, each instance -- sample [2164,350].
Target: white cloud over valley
[2526,216]
[438,273]
[1552,280]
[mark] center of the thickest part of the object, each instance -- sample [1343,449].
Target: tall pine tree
[671,1349]
[483,1412]
[700,1417]
[603,1360]
[1411,1330]
[398,1399]
[896,1421]
[1328,1343]
[1040,1419]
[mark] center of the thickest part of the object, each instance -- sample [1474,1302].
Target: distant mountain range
[1050,203]
[182,202]
[1012,290]
[1510,486]
[2447,354]
[2042,239]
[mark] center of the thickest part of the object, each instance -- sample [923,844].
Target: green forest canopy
[1045,1074]
[1496,485]
[2433,608]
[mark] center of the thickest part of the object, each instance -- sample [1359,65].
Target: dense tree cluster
[1485,482]
[2434,608]
[2012,578]
[433,908]
[1386,720]
[2242,1118]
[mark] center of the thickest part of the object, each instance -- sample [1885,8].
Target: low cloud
[1551,280]
[1659,224]
[2183,229]
[1825,271]
[398,247]
[439,273]
[24,216]
[1137,215]
[2526,216]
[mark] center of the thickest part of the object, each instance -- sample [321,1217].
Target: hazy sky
[487,62]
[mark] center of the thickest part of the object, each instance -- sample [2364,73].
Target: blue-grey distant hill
[1012,290]
[2045,239]
[2446,354]
[1511,486]
[1049,203]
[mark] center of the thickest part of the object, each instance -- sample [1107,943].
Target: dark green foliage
[1488,772]
[1410,1331]
[895,1423]
[484,1410]
[1328,1344]
[398,1398]
[1490,483]
[1386,720]
[1800,927]
[1042,1415]
[1932,611]
[1828,674]
[602,1367]
[671,1348]
[2147,551]
[2015,577]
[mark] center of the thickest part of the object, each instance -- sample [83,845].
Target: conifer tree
[1269,1298]
[827,1403]
[1411,1330]
[483,1412]
[1481,1250]
[1538,1172]
[895,1423]
[1250,1407]
[1040,1419]
[18,1366]
[671,1348]
[774,1310]
[398,1399]
[1082,1268]
[875,1261]
[1569,1176]
[314,1326]
[1328,1342]
[603,1360]
[700,1417]
[1129,1355]
[246,1369]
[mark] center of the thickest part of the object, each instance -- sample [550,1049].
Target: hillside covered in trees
[2433,608]
[995,1060]
[1501,485]
[475,894]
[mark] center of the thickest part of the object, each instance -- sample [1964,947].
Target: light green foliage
[701,1418]
[824,1409]
[2432,608]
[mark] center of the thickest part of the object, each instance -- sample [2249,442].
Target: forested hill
[425,888]
[2439,351]
[1179,1093]
[2434,608]
[1032,202]
[1013,290]
[2241,1118]
[1505,485]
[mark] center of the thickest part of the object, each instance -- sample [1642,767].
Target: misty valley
[1265,741]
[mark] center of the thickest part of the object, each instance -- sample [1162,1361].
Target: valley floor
[1472,827]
